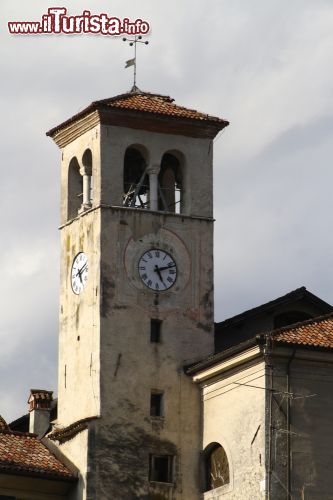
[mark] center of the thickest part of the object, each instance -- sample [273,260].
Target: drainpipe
[288,427]
[266,344]
[270,430]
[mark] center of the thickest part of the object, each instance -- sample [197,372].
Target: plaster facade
[234,417]
[270,407]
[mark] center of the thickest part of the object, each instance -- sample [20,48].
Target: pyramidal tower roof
[137,109]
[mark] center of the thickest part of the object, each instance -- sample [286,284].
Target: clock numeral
[150,255]
[142,268]
[165,256]
[172,271]
[156,286]
[149,282]
[143,260]
[144,276]
[157,253]
[170,280]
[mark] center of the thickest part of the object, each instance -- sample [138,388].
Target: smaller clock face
[157,270]
[79,273]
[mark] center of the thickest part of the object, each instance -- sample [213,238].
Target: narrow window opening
[155,330]
[156,404]
[160,468]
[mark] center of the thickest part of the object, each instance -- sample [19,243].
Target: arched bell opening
[170,184]
[136,180]
[75,189]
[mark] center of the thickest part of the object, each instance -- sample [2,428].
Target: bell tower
[136,295]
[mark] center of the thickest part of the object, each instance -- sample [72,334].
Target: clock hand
[157,270]
[80,271]
[166,267]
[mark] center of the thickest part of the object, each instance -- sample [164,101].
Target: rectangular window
[160,468]
[156,404]
[155,330]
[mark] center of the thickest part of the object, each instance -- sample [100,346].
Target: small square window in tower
[160,468]
[155,330]
[156,404]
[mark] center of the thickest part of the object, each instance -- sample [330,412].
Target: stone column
[153,171]
[86,199]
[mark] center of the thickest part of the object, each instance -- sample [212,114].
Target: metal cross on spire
[132,62]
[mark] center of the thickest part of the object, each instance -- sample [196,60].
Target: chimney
[40,409]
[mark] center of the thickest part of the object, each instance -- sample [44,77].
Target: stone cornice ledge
[137,211]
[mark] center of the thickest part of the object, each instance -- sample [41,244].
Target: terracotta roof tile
[23,453]
[156,104]
[316,332]
[3,424]
[70,431]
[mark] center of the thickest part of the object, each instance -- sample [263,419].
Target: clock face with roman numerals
[79,273]
[157,270]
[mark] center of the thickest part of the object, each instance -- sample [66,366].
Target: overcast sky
[264,65]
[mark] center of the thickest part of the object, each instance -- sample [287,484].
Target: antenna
[132,62]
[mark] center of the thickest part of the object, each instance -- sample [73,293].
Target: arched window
[136,181]
[216,466]
[170,184]
[75,189]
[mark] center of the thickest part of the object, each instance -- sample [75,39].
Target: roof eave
[10,469]
[98,113]
[220,356]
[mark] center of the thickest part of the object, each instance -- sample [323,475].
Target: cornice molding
[226,365]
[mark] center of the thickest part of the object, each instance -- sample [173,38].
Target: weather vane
[132,62]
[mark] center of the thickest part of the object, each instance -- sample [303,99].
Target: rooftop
[24,454]
[316,332]
[147,104]
[298,294]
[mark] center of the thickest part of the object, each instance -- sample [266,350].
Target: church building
[149,407]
